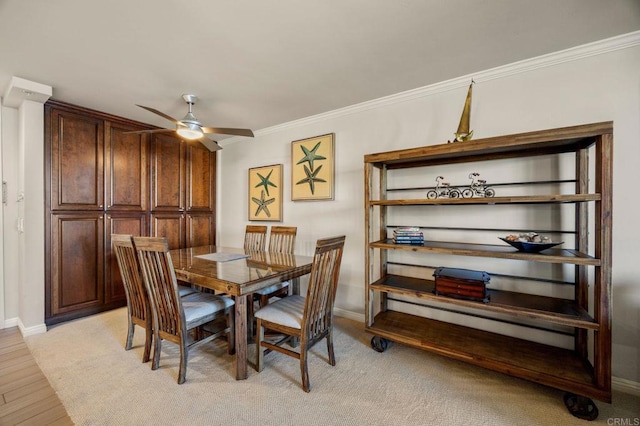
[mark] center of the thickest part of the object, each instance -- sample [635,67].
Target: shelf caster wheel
[379,344]
[580,406]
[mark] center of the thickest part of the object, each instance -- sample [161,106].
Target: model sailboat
[463,133]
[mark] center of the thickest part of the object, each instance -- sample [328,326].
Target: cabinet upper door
[77,150]
[126,167]
[167,173]
[201,170]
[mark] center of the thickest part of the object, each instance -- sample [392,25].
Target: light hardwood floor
[26,396]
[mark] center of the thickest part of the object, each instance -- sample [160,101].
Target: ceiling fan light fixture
[190,131]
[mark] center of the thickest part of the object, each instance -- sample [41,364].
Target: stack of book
[408,235]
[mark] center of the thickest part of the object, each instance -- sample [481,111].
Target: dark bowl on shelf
[530,247]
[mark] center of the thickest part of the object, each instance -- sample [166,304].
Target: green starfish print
[312,178]
[262,204]
[264,181]
[310,156]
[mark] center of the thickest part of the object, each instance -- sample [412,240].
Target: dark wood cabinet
[102,180]
[77,149]
[168,178]
[126,168]
[120,223]
[77,250]
[183,192]
[171,226]
[200,178]
[200,229]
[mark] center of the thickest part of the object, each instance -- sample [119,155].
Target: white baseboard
[617,383]
[625,386]
[11,322]
[30,331]
[349,315]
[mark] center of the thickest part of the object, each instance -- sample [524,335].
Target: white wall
[22,137]
[10,210]
[593,83]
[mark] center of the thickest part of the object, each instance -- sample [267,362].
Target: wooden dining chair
[138,306]
[255,238]
[282,239]
[309,319]
[174,316]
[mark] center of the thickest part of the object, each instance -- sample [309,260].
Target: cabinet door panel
[77,262]
[126,165]
[170,226]
[200,178]
[168,173]
[120,223]
[200,230]
[77,181]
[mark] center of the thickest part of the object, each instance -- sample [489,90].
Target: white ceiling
[261,63]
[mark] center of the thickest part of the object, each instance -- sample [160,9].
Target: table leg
[250,326]
[295,285]
[241,337]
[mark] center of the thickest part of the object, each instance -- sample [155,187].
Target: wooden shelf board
[496,251]
[544,364]
[523,199]
[551,141]
[551,309]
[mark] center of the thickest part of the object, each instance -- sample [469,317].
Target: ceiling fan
[190,128]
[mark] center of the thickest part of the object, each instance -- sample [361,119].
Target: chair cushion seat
[184,290]
[199,306]
[272,288]
[287,311]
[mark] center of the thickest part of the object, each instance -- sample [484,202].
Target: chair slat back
[137,296]
[160,279]
[321,292]
[282,239]
[255,238]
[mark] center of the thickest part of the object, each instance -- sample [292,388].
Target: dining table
[239,273]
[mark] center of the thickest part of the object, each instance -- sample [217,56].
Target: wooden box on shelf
[461,283]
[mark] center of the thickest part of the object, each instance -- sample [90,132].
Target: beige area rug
[102,384]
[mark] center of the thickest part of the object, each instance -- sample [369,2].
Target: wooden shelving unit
[567,369]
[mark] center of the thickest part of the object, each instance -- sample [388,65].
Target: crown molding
[600,47]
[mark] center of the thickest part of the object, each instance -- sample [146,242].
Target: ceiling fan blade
[228,131]
[150,131]
[210,144]
[161,114]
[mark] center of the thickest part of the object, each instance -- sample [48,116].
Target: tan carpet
[102,384]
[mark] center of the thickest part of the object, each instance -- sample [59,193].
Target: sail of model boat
[463,133]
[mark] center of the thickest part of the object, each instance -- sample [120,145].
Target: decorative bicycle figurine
[478,187]
[442,190]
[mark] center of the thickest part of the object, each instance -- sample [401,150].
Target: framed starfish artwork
[312,168]
[265,193]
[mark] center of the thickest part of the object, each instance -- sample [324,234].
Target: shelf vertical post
[582,245]
[382,234]
[368,235]
[603,242]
